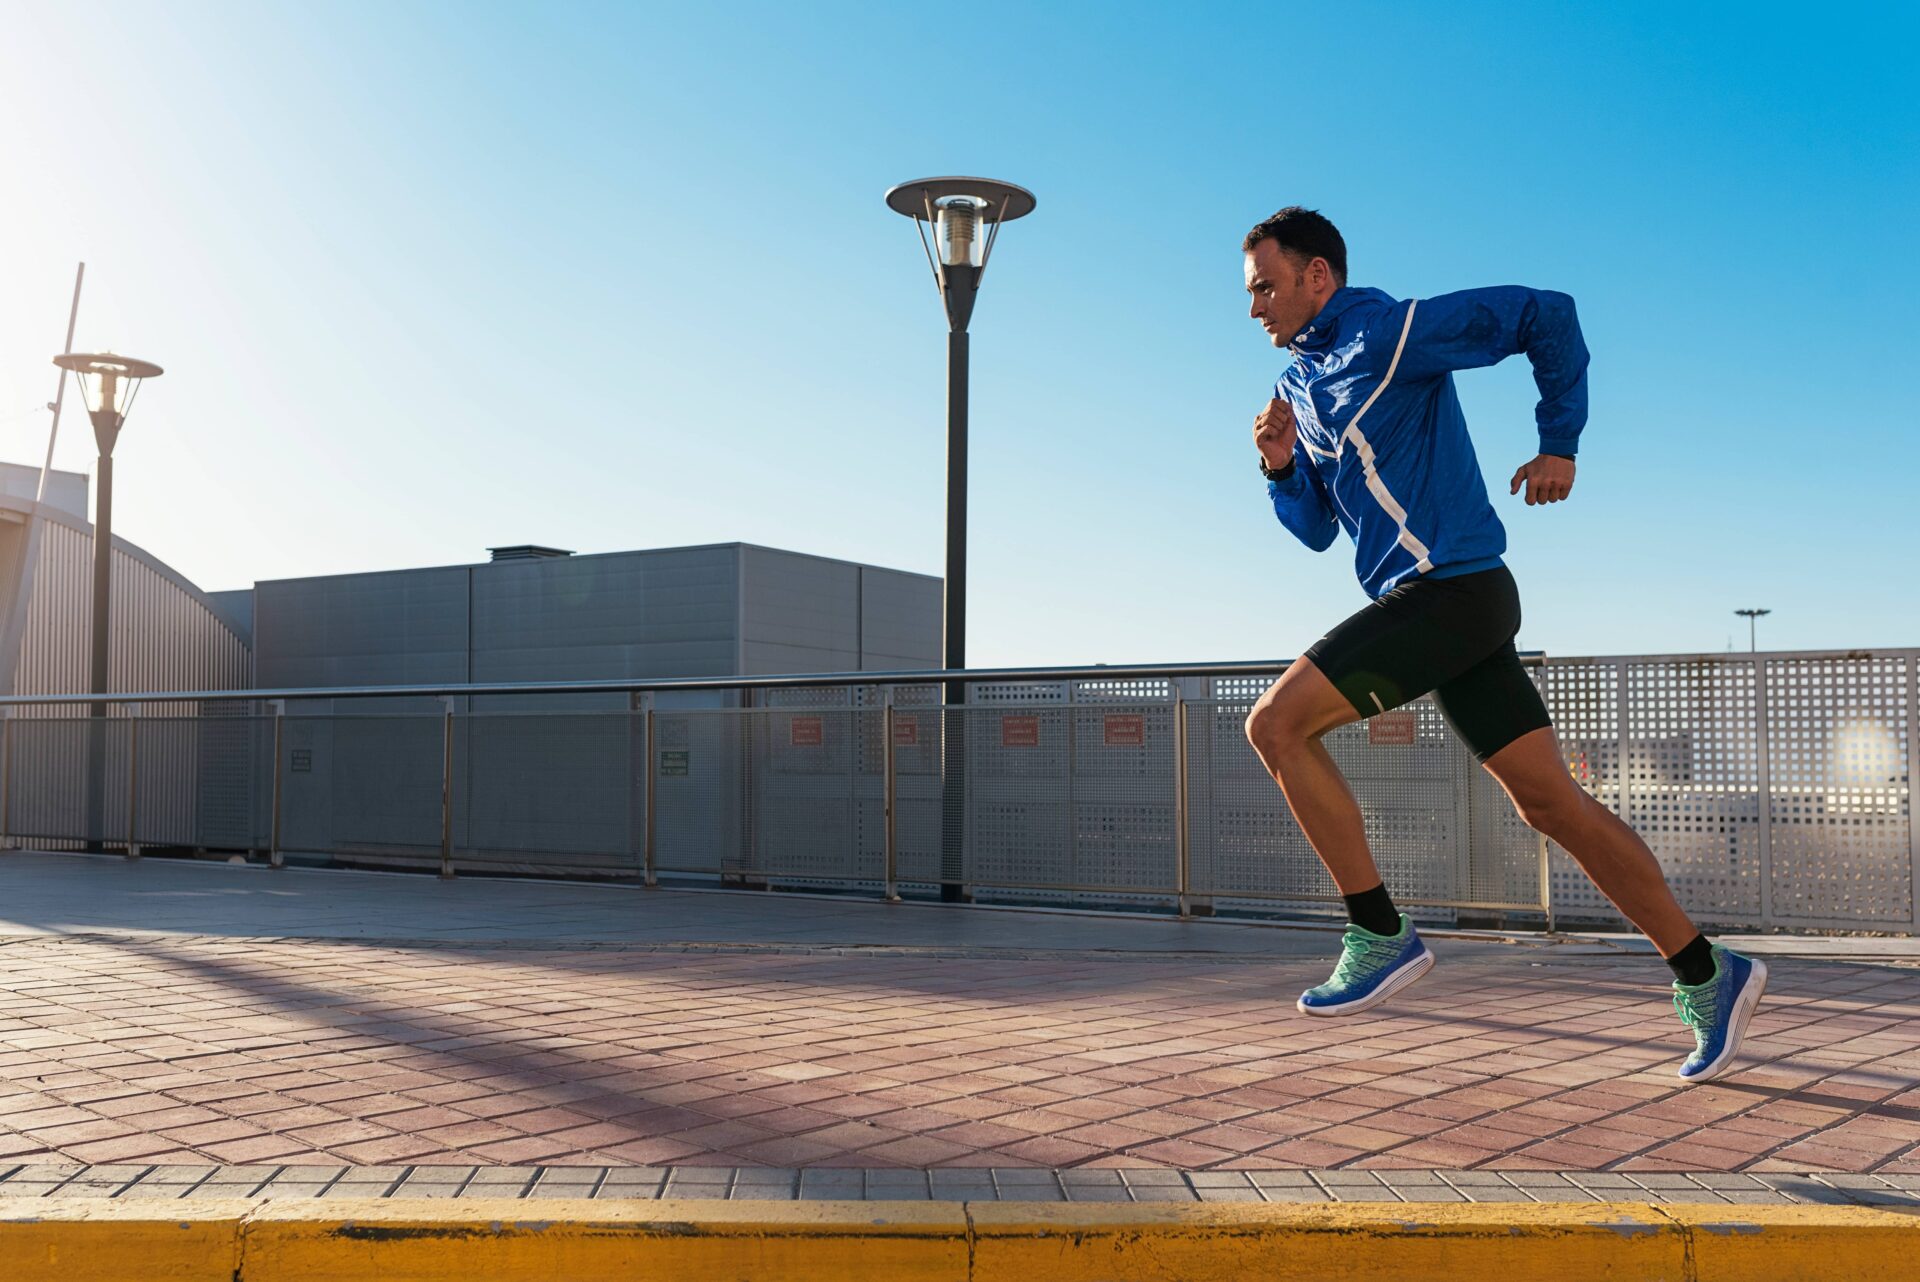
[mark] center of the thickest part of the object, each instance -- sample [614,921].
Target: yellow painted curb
[1231,1242]
[50,1239]
[507,1240]
[581,1241]
[1800,1243]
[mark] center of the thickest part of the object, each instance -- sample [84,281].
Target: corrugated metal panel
[164,638]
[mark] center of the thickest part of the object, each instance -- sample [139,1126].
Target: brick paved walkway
[160,1050]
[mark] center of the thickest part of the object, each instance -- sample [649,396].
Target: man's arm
[1299,496]
[1477,327]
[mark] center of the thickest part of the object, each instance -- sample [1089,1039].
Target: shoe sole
[1388,987]
[1743,1007]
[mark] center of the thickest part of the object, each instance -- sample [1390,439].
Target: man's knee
[1281,720]
[1554,809]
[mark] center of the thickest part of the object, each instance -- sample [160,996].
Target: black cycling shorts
[1453,637]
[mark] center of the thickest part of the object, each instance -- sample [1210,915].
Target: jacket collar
[1319,333]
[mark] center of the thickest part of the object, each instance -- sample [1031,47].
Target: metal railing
[1775,788]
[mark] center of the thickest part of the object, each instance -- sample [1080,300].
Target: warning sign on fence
[906,731]
[806,732]
[674,762]
[1126,730]
[1394,729]
[1019,732]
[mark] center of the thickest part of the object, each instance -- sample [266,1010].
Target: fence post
[1182,838]
[275,856]
[1546,883]
[1765,785]
[133,780]
[891,890]
[1545,848]
[1913,769]
[446,787]
[6,777]
[653,755]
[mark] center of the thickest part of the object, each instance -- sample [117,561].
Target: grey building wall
[810,614]
[718,610]
[667,613]
[66,491]
[899,620]
[235,608]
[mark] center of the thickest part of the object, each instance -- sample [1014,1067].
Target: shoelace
[1697,1010]
[1361,954]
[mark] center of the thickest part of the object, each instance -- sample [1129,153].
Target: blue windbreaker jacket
[1383,451]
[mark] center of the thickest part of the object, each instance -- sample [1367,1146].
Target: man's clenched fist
[1273,433]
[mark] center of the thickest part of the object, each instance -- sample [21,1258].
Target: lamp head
[107,381]
[964,215]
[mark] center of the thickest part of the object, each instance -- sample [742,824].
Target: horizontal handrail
[784,681]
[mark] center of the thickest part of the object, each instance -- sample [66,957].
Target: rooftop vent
[526,552]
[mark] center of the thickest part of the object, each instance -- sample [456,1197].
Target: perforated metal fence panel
[812,788]
[1440,831]
[701,822]
[1775,790]
[363,788]
[1840,733]
[549,792]
[162,793]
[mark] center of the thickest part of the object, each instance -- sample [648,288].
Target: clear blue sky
[432,277]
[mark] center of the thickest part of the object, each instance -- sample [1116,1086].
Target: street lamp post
[1750,616]
[964,215]
[109,383]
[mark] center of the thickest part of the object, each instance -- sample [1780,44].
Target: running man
[1364,433]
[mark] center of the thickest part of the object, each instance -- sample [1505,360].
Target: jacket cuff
[1564,446]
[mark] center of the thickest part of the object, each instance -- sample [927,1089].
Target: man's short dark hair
[1305,234]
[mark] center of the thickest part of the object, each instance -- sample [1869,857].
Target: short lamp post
[109,384]
[1750,616]
[965,216]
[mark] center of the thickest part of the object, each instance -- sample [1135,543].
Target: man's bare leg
[1383,953]
[1535,775]
[1285,728]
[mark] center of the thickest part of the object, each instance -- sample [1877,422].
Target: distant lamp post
[1750,616]
[109,383]
[964,216]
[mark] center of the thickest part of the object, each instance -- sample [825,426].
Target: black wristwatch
[1274,473]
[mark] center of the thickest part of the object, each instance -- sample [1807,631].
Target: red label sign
[806,732]
[1126,730]
[906,732]
[1019,732]
[1395,729]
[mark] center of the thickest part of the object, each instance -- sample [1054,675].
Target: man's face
[1285,295]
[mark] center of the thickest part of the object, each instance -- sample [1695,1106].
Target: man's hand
[1273,433]
[1548,478]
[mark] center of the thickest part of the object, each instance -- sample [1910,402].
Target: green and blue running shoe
[1717,1012]
[1372,968]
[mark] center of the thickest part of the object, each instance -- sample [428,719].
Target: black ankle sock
[1694,963]
[1373,910]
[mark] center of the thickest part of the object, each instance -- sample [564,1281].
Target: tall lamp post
[109,384]
[965,216]
[1750,616]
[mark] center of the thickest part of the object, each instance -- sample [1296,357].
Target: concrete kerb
[944,1241]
